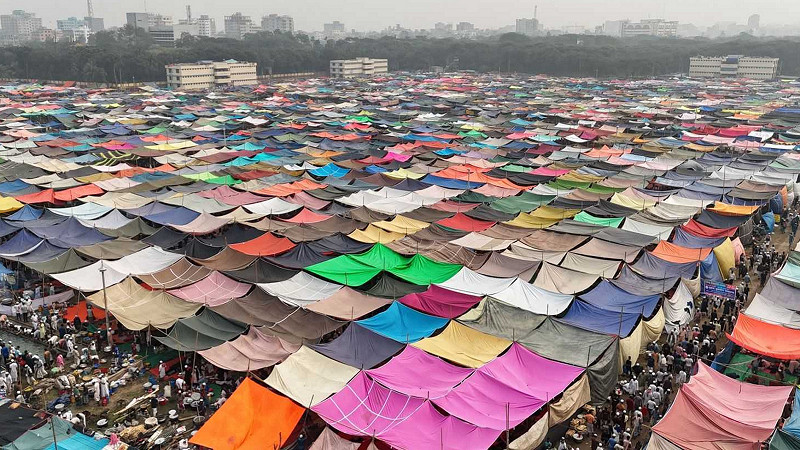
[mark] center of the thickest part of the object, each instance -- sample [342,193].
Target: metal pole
[105,306]
[53,428]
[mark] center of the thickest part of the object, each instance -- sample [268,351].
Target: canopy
[608,296]
[201,332]
[712,408]
[359,347]
[440,302]
[213,290]
[463,345]
[403,324]
[252,418]
[308,377]
[399,374]
[252,351]
[765,338]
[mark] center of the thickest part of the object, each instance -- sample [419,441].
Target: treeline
[129,55]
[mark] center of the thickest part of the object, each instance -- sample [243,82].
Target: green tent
[585,217]
[782,440]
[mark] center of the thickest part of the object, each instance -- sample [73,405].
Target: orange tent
[677,254]
[253,418]
[766,338]
[80,311]
[265,245]
[733,210]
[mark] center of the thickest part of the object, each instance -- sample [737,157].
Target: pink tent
[508,389]
[366,408]
[713,411]
[399,374]
[212,290]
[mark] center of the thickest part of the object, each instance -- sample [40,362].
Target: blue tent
[709,269]
[403,324]
[610,297]
[589,317]
[792,424]
[27,212]
[71,233]
[79,441]
[769,221]
[688,240]
[654,267]
[19,244]
[175,216]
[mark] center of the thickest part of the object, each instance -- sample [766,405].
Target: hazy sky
[367,15]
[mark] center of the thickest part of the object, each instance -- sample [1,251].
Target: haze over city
[363,15]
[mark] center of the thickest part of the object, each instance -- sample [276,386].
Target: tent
[765,338]
[308,377]
[712,409]
[253,417]
[252,351]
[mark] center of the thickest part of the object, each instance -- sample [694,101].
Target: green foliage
[129,54]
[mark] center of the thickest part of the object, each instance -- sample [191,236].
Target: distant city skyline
[361,15]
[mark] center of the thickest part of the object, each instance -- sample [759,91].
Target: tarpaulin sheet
[201,332]
[726,257]
[301,290]
[653,267]
[560,279]
[359,347]
[213,290]
[329,440]
[502,266]
[711,409]
[180,273]
[609,296]
[688,240]
[16,421]
[403,324]
[308,377]
[348,304]
[365,408]
[81,311]
[470,282]
[698,229]
[765,338]
[532,298]
[509,389]
[609,250]
[782,440]
[792,424]
[782,294]
[399,372]
[440,302]
[714,220]
[265,245]
[149,260]
[676,254]
[252,418]
[496,318]
[679,309]
[463,345]
[606,268]
[764,309]
[252,351]
[590,317]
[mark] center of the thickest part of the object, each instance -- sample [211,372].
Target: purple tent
[509,389]
[359,347]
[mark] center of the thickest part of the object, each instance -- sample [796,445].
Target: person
[162,370]
[562,445]
[179,384]
[154,405]
[52,290]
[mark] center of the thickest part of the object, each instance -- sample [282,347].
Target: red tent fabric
[715,412]
[766,338]
[698,229]
[253,418]
[45,196]
[68,195]
[265,245]
[463,222]
[80,311]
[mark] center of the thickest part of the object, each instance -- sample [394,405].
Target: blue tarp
[79,441]
[654,267]
[769,221]
[450,183]
[175,216]
[709,269]
[330,170]
[27,212]
[403,324]
[792,424]
[44,252]
[723,358]
[6,228]
[71,233]
[688,240]
[21,243]
[610,297]
[589,317]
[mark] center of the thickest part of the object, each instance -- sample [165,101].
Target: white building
[349,68]
[238,25]
[528,27]
[733,66]
[274,22]
[650,27]
[334,29]
[20,26]
[211,74]
[201,26]
[147,20]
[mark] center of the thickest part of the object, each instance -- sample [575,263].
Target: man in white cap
[162,370]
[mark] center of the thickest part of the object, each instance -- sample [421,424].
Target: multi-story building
[465,26]
[349,68]
[147,20]
[201,26]
[238,25]
[333,29]
[734,66]
[528,27]
[73,29]
[95,24]
[206,26]
[650,27]
[211,74]
[20,26]
[274,22]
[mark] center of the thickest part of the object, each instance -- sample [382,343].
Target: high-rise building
[206,26]
[208,74]
[20,26]
[349,68]
[650,27]
[94,24]
[201,26]
[333,29]
[465,26]
[238,25]
[528,27]
[73,29]
[754,22]
[734,66]
[274,22]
